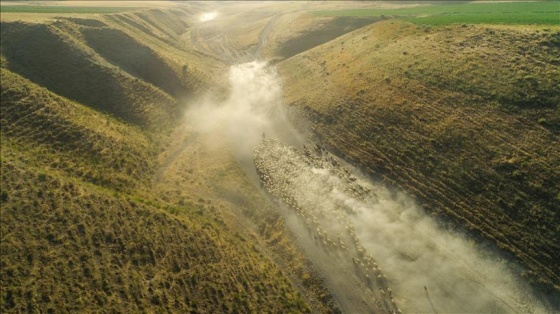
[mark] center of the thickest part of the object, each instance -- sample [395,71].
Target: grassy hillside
[80,216]
[86,143]
[103,207]
[52,58]
[465,118]
[140,61]
[71,246]
[327,31]
[164,32]
[134,73]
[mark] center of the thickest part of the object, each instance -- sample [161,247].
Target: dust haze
[433,270]
[374,239]
[252,110]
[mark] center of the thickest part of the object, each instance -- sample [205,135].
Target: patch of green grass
[542,13]
[64,9]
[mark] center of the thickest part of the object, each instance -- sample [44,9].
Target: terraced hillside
[97,209]
[465,118]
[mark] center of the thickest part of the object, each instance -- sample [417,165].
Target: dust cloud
[421,267]
[386,235]
[431,269]
[252,110]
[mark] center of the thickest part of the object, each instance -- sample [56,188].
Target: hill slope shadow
[51,57]
[138,60]
[331,30]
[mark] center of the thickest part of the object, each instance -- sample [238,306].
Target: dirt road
[218,38]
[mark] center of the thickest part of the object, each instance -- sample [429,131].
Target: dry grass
[199,170]
[463,118]
[69,246]
[87,144]
[102,207]
[54,58]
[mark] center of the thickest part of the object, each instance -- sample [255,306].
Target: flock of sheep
[325,196]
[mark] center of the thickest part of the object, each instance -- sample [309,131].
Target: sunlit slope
[80,231]
[88,219]
[51,58]
[465,118]
[167,32]
[298,32]
[166,25]
[136,59]
[69,246]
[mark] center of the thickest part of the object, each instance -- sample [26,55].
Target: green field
[62,9]
[542,13]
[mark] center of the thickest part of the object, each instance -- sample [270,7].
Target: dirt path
[219,39]
[172,156]
[351,294]
[264,35]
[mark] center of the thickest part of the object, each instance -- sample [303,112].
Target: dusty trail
[214,37]
[399,255]
[376,250]
[264,34]
[351,294]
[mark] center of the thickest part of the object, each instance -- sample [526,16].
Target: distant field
[543,13]
[63,9]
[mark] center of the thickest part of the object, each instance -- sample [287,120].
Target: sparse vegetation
[109,201]
[87,144]
[92,217]
[455,122]
[55,59]
[70,246]
[328,31]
